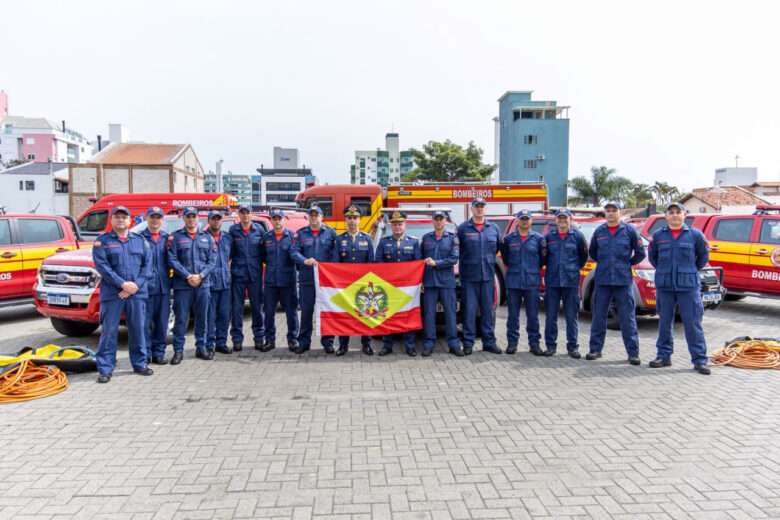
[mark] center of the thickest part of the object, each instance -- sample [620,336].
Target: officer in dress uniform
[678,253]
[312,244]
[220,295]
[246,275]
[439,248]
[192,256]
[398,247]
[354,247]
[158,306]
[124,261]
[567,254]
[479,241]
[523,252]
[279,282]
[616,247]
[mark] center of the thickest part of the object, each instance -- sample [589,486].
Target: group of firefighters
[215,271]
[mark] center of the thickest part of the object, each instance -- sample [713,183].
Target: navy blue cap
[120,209]
[277,213]
[154,211]
[675,205]
[437,214]
[611,203]
[479,201]
[215,213]
[244,207]
[315,209]
[523,213]
[190,210]
[563,212]
[398,216]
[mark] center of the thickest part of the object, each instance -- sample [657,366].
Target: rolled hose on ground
[25,381]
[747,352]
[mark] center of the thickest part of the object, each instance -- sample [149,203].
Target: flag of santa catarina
[368,299]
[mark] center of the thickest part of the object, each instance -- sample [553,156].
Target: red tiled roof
[139,153]
[725,196]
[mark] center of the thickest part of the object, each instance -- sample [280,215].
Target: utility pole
[736,161]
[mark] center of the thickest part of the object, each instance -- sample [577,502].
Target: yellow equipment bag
[73,359]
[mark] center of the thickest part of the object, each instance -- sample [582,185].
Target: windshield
[502,224]
[419,229]
[588,228]
[173,224]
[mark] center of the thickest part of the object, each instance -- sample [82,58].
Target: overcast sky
[669,91]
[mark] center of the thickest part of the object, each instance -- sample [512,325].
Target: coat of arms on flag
[368,299]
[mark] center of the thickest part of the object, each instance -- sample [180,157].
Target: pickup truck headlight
[646,274]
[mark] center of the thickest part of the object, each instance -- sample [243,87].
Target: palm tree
[602,186]
[664,193]
[639,196]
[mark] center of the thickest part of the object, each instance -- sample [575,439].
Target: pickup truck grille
[60,276]
[710,281]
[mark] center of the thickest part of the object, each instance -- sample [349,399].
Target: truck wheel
[734,297]
[75,329]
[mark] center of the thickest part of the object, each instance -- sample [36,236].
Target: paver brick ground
[280,436]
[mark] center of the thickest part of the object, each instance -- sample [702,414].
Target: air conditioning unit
[540,157]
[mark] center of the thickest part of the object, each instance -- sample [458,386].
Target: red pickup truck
[747,247]
[26,239]
[67,289]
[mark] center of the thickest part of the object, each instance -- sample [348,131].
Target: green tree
[664,193]
[603,185]
[639,196]
[448,162]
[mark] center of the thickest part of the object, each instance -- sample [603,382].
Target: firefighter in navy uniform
[616,247]
[354,247]
[678,252]
[312,244]
[398,247]
[220,295]
[523,252]
[439,248]
[124,261]
[192,255]
[567,254]
[479,241]
[158,306]
[246,277]
[279,282]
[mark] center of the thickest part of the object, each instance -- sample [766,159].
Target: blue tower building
[534,143]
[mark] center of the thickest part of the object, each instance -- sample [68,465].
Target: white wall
[23,201]
[150,180]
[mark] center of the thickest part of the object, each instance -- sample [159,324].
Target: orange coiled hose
[749,353]
[27,381]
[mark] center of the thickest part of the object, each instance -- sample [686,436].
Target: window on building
[770,232]
[30,140]
[5,232]
[530,139]
[60,187]
[280,197]
[362,163]
[529,164]
[29,185]
[39,230]
[282,186]
[30,156]
[21,185]
[526,114]
[95,222]
[734,229]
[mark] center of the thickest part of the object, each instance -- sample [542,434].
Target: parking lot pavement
[280,436]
